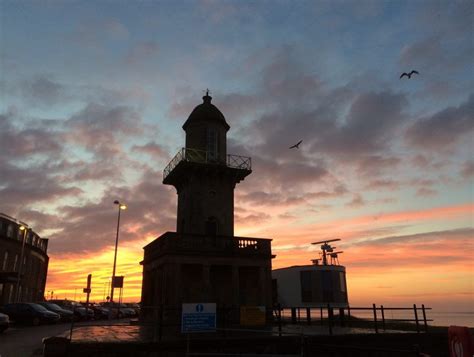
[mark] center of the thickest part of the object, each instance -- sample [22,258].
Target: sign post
[87,290]
[198,317]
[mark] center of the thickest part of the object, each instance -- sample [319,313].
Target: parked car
[134,306]
[4,322]
[76,307]
[30,313]
[66,315]
[119,310]
[127,311]
[100,312]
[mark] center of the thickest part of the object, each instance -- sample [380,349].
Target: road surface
[26,341]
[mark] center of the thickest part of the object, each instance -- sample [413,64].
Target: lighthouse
[203,261]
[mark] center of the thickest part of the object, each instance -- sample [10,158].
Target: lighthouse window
[211,144]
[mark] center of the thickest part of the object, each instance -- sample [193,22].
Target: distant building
[316,285]
[32,279]
[203,262]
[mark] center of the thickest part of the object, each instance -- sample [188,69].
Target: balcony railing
[172,242]
[207,157]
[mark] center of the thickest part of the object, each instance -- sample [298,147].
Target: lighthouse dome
[206,112]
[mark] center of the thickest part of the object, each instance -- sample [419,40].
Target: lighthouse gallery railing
[207,157]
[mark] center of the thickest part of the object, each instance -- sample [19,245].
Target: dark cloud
[16,143]
[29,186]
[141,52]
[425,192]
[423,52]
[462,233]
[152,149]
[255,218]
[28,175]
[377,165]
[91,226]
[94,33]
[368,128]
[42,91]
[467,170]
[444,128]
[357,201]
[100,128]
[387,184]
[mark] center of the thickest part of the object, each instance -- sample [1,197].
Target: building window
[211,226]
[212,143]
[15,262]
[10,231]
[306,291]
[342,281]
[10,293]
[5,261]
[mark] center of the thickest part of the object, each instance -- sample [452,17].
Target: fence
[326,316]
[160,322]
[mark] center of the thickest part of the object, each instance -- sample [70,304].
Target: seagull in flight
[296,146]
[408,74]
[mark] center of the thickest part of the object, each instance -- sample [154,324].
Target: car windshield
[38,307]
[52,306]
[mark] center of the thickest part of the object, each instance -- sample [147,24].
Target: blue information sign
[198,317]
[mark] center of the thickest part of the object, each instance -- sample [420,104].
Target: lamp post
[121,206]
[18,277]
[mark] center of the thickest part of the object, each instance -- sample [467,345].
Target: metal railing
[207,157]
[325,315]
[177,242]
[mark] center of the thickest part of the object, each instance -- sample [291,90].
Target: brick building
[25,283]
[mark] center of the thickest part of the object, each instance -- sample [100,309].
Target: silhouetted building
[203,261]
[32,278]
[316,285]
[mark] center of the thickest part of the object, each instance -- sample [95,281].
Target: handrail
[206,157]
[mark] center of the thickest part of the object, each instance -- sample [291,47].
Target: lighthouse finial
[207,98]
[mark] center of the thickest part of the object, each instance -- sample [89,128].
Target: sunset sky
[94,94]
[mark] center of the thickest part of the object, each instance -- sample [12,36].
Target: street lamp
[121,206]
[18,277]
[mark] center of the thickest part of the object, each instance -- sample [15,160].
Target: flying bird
[408,74]
[296,146]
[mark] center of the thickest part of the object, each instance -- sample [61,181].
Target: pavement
[126,333]
[119,333]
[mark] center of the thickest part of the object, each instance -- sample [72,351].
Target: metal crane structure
[327,250]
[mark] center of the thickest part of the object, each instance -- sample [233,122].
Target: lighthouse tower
[204,175]
[203,262]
